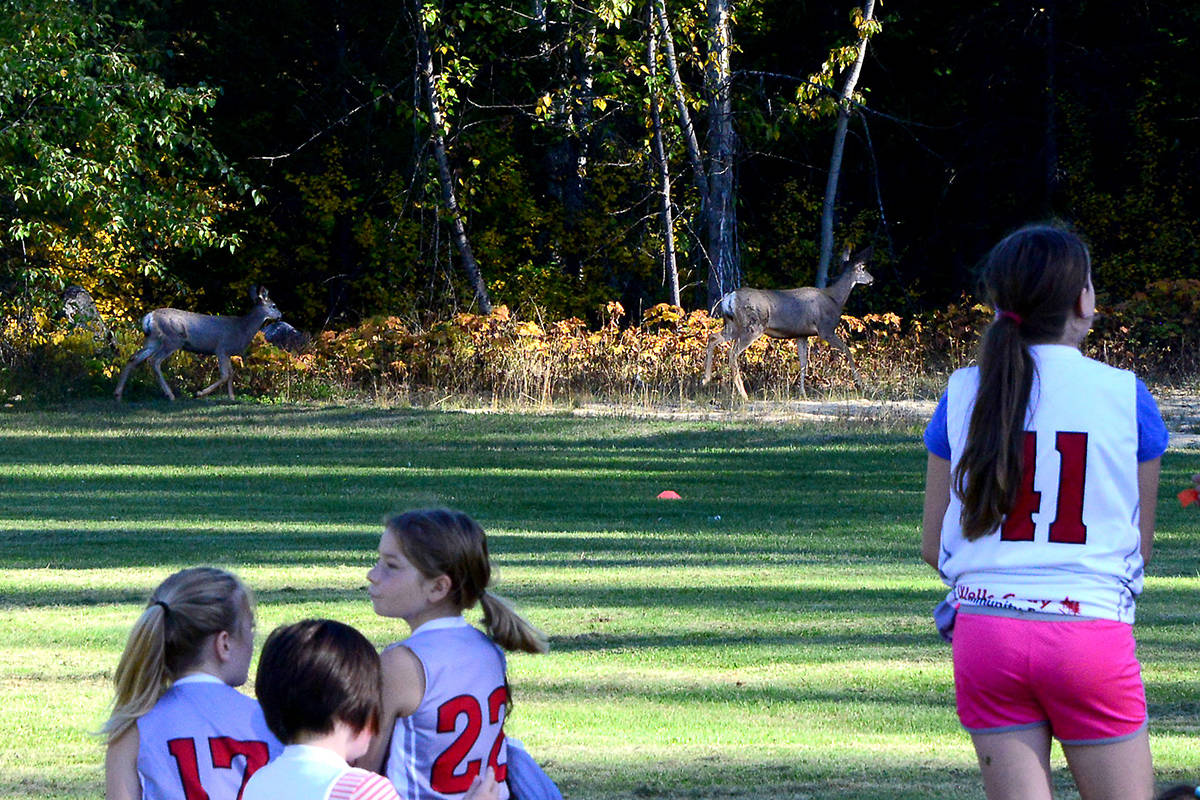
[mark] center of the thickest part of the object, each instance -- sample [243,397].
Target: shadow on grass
[725,775]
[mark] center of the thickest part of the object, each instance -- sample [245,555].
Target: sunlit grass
[767,634]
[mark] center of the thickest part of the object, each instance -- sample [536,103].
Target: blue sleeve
[937,436]
[1152,432]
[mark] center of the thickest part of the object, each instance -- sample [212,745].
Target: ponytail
[1033,278]
[440,541]
[183,611]
[508,629]
[988,475]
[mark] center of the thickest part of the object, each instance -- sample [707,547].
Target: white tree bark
[670,268]
[839,145]
[434,107]
[685,118]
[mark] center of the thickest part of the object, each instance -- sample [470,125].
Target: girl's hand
[484,787]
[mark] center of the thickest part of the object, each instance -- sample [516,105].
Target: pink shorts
[1080,677]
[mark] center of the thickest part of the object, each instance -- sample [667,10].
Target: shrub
[657,359]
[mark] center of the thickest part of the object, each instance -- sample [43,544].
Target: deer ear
[864,255]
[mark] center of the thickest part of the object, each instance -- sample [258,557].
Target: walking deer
[787,314]
[170,329]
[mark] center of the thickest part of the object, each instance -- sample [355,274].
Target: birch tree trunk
[681,109]
[839,145]
[660,156]
[434,107]
[721,211]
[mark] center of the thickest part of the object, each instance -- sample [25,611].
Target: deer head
[258,296]
[856,266]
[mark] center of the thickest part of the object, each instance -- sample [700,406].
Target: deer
[787,314]
[170,329]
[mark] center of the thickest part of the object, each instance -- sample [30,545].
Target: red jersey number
[222,751]
[1068,527]
[447,777]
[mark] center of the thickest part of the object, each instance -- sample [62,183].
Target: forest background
[397,164]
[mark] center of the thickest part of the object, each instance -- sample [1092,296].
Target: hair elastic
[166,608]
[1197,792]
[1014,316]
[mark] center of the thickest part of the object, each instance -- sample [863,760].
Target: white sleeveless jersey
[1071,544]
[308,772]
[458,730]
[202,741]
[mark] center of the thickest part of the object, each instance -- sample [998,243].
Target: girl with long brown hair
[1040,496]
[445,688]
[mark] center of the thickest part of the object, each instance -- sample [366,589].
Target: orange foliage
[660,358]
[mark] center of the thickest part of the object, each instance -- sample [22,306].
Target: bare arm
[1148,499]
[403,688]
[937,500]
[121,780]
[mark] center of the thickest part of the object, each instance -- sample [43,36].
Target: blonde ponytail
[183,611]
[141,676]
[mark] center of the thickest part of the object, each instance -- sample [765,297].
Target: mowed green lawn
[769,633]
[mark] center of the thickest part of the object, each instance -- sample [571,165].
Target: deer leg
[736,349]
[141,355]
[226,376]
[837,342]
[802,353]
[713,340]
[156,364]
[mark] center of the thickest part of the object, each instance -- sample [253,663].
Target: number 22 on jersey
[1068,527]
[446,779]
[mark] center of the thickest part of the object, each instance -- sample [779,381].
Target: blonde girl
[445,691]
[179,730]
[1039,513]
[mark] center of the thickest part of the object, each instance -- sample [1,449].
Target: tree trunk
[835,160]
[664,169]
[434,107]
[721,212]
[685,118]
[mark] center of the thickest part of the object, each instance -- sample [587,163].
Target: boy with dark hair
[318,682]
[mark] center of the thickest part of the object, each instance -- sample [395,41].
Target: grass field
[767,634]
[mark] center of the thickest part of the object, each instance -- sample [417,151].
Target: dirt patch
[1180,410]
[895,411]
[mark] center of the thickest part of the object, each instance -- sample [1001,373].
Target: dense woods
[423,158]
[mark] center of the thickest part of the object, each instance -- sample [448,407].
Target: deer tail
[148,323]
[724,306]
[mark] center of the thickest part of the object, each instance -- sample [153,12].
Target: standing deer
[787,314]
[169,329]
